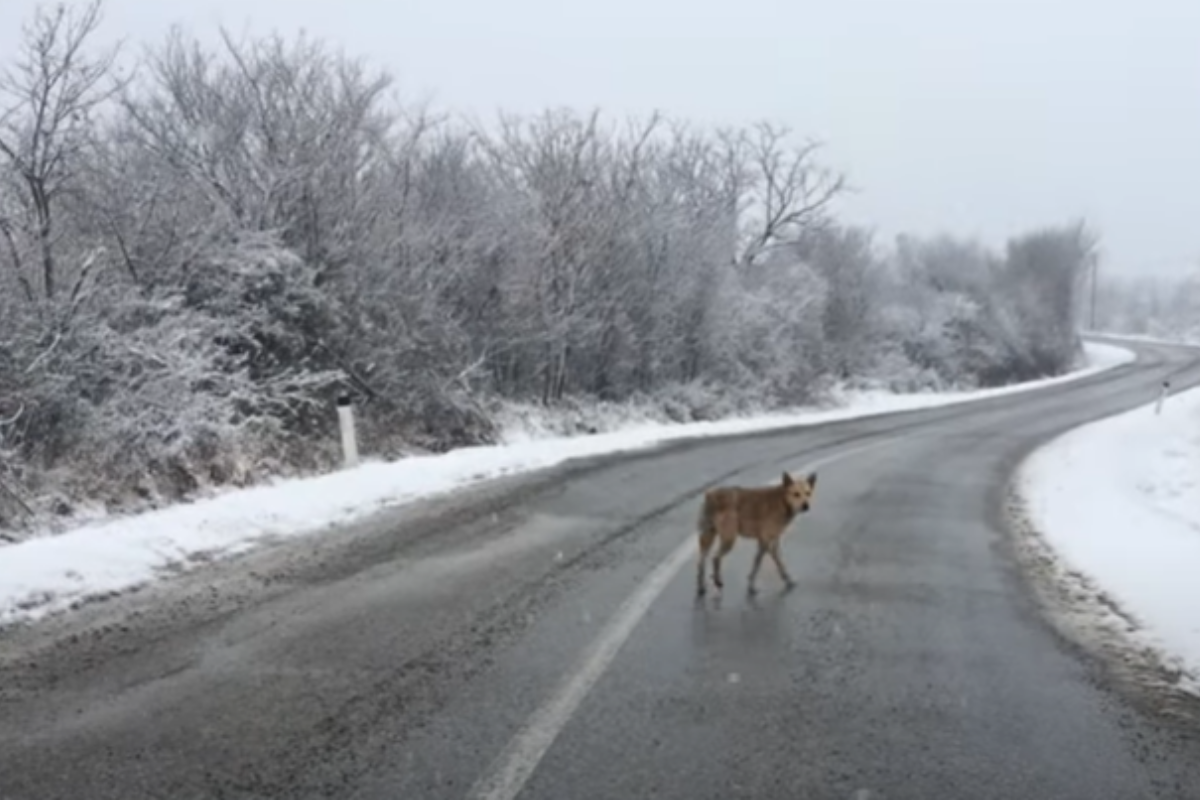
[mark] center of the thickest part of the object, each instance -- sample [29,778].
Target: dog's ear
[787,479]
[812,480]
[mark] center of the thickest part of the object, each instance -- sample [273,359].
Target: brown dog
[760,513]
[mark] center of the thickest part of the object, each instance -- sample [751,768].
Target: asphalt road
[540,638]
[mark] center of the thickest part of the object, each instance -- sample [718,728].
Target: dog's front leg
[783,573]
[758,557]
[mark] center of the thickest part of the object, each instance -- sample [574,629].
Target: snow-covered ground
[50,573]
[1145,338]
[1118,501]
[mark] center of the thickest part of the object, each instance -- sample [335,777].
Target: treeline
[1166,307]
[195,262]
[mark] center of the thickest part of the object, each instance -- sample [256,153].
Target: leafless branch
[6,423]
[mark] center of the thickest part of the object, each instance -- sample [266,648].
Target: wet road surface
[539,637]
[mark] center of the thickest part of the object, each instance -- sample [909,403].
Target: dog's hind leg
[773,549]
[727,534]
[722,550]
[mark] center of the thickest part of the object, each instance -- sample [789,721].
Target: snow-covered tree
[196,262]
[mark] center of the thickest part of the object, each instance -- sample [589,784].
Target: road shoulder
[1101,530]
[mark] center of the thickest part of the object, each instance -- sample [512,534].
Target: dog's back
[759,512]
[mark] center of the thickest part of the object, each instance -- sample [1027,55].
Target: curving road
[540,638]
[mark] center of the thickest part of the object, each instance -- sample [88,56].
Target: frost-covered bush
[191,272]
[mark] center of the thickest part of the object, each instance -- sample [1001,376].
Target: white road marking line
[507,775]
[519,759]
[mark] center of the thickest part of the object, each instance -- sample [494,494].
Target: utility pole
[1095,280]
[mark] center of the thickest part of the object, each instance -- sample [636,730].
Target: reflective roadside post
[1162,395]
[345,409]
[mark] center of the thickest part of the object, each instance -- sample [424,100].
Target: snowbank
[1119,501]
[47,574]
[1146,338]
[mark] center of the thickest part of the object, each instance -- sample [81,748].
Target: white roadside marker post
[349,436]
[1162,395]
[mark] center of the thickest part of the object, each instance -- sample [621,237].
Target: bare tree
[1043,274]
[781,190]
[50,97]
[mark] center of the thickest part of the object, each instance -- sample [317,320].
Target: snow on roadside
[1118,501]
[43,575]
[1146,338]
[1098,357]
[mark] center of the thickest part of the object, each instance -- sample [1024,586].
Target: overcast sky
[979,117]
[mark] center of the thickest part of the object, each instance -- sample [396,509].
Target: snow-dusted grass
[50,573]
[1119,502]
[525,423]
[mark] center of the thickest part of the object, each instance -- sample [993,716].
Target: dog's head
[798,494]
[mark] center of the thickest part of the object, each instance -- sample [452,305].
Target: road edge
[1093,624]
[48,600]
[1086,619]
